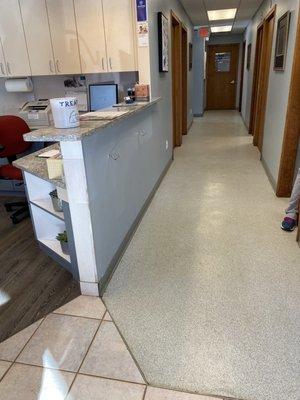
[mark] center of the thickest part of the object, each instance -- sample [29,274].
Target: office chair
[12,129]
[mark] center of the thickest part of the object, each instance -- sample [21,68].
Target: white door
[90,28]
[64,36]
[37,33]
[120,31]
[2,62]
[13,39]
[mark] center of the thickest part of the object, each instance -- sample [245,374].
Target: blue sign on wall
[141,8]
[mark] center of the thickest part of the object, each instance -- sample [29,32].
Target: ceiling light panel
[219,15]
[217,29]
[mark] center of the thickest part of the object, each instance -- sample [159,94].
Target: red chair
[12,129]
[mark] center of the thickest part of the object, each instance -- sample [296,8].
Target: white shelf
[46,205]
[54,245]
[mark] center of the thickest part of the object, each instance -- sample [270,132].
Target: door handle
[2,69]
[232,82]
[8,68]
[57,66]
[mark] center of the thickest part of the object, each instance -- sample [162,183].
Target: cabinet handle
[8,68]
[103,63]
[110,63]
[51,66]
[2,69]
[57,66]
[114,156]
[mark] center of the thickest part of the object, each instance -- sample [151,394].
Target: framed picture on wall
[163,42]
[249,50]
[190,56]
[282,38]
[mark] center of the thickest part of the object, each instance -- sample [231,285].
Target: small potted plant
[63,239]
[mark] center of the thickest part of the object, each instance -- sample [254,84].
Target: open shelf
[46,205]
[54,245]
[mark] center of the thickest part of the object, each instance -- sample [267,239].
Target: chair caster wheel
[8,208]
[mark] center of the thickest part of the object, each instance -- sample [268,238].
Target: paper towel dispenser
[37,114]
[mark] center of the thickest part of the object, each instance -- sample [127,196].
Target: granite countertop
[37,165]
[86,128]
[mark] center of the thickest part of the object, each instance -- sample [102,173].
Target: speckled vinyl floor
[207,295]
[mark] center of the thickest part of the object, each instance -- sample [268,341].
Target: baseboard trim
[121,250]
[268,173]
[198,115]
[190,125]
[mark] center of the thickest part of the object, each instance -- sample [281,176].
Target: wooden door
[91,37]
[257,64]
[176,80]
[64,36]
[13,39]
[263,79]
[36,27]
[222,71]
[184,58]
[292,129]
[120,30]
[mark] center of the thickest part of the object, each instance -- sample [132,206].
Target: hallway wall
[279,83]
[161,83]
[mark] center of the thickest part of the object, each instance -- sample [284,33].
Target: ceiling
[196,9]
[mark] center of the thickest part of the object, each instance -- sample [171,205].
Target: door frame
[292,128]
[257,61]
[176,78]
[242,76]
[184,79]
[237,45]
[263,78]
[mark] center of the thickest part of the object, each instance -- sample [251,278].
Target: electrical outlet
[167,144]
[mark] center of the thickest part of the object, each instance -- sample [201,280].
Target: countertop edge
[52,134]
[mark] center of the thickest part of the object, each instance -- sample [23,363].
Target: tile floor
[75,353]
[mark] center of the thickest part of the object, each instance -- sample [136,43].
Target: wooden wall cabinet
[120,31]
[91,36]
[60,37]
[64,36]
[37,33]
[13,39]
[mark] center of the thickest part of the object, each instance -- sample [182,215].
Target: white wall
[161,83]
[48,87]
[279,83]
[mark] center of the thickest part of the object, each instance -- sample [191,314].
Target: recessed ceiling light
[218,15]
[216,29]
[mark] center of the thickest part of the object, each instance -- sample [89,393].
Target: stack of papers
[101,115]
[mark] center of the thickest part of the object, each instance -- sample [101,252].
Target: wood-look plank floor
[31,283]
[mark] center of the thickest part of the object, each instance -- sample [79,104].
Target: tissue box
[142,92]
[55,168]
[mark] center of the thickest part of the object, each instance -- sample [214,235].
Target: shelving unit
[47,222]
[46,205]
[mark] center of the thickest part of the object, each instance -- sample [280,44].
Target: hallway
[207,293]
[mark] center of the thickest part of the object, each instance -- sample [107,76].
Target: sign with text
[141,10]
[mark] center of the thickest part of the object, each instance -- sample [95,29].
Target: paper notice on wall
[143,34]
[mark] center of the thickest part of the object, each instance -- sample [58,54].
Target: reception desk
[111,170]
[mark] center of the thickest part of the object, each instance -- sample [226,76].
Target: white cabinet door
[13,39]
[64,36]
[2,62]
[119,30]
[90,28]
[37,33]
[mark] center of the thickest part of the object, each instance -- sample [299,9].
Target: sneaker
[288,224]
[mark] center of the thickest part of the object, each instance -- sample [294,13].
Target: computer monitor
[102,95]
